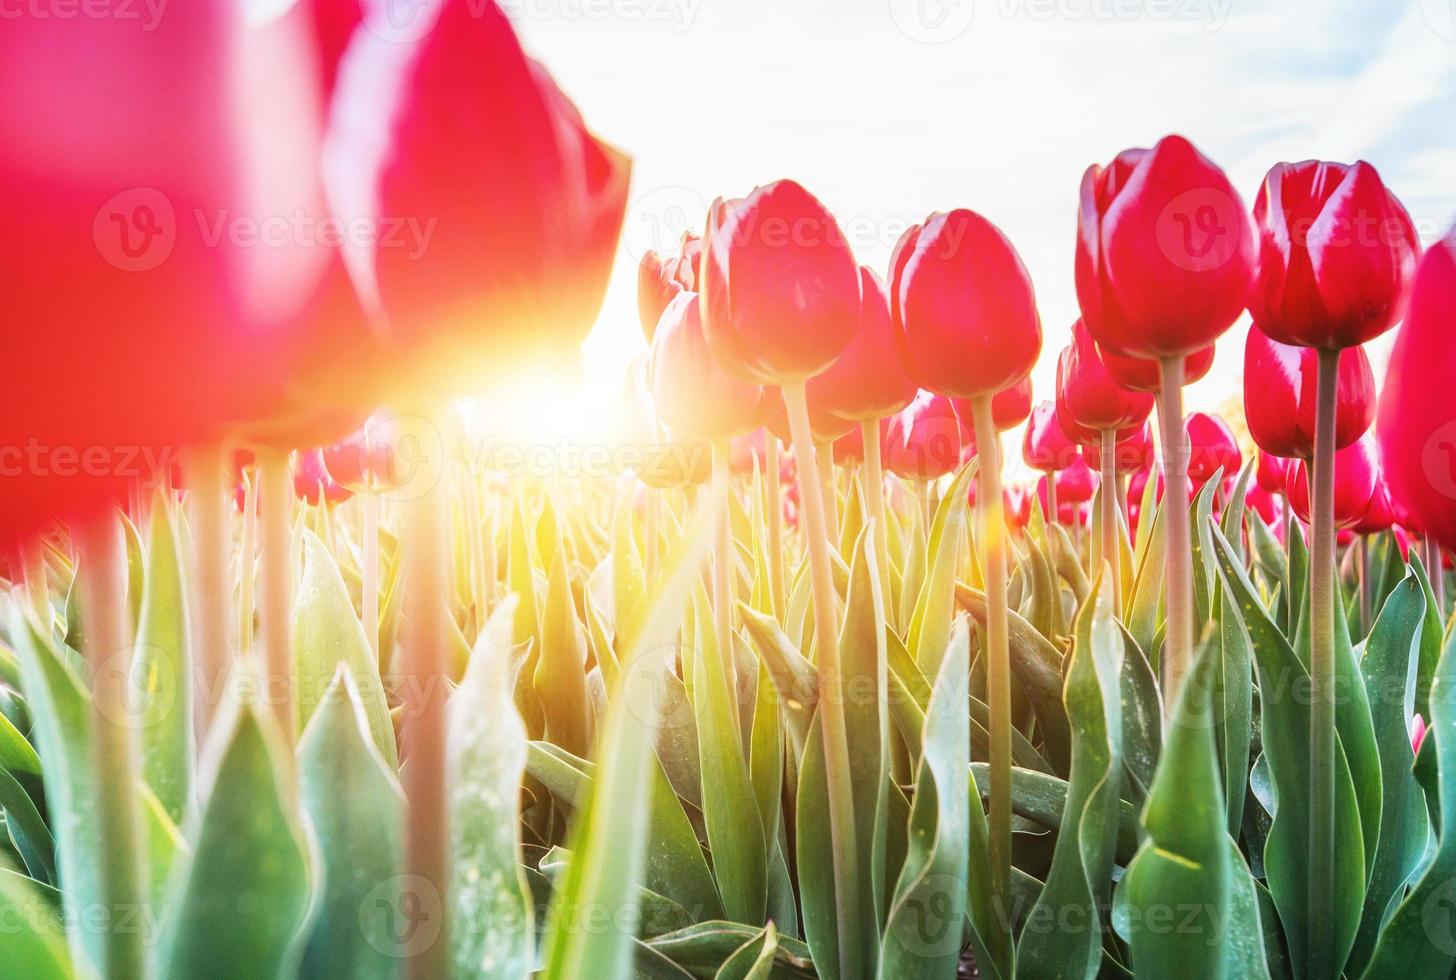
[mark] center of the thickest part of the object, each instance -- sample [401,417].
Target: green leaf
[241,901]
[1146,597]
[356,809]
[560,675]
[161,674]
[1234,700]
[610,838]
[1189,866]
[1063,932]
[931,621]
[1419,940]
[754,960]
[1042,799]
[1388,668]
[492,928]
[33,941]
[923,934]
[326,633]
[1283,698]
[701,950]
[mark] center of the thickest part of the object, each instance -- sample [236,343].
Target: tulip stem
[873,478]
[831,696]
[427,850]
[108,655]
[1322,672]
[1178,572]
[1436,574]
[276,574]
[247,557]
[212,656]
[1362,569]
[1108,496]
[775,515]
[998,659]
[723,566]
[824,460]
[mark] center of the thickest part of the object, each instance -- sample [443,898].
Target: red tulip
[1356,467]
[1417,425]
[1139,482]
[453,125]
[1279,396]
[1336,254]
[696,398]
[1264,503]
[365,458]
[1271,472]
[745,450]
[1379,514]
[1069,513]
[1077,483]
[1211,445]
[780,286]
[1045,445]
[849,448]
[1132,452]
[965,317]
[1011,406]
[866,382]
[312,482]
[662,277]
[1088,391]
[923,442]
[1165,251]
[1140,374]
[1017,501]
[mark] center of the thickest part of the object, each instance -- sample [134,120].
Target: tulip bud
[1076,483]
[1356,467]
[923,442]
[1337,251]
[695,396]
[1279,395]
[780,286]
[866,382]
[1417,425]
[965,316]
[1165,251]
[662,277]
[1045,445]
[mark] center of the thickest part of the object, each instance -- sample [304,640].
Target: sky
[888,110]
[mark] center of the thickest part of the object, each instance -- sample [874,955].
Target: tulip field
[860,655]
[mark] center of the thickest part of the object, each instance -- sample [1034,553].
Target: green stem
[427,852]
[1178,572]
[842,831]
[274,572]
[1322,671]
[998,660]
[108,655]
[774,512]
[1108,497]
[212,655]
[873,479]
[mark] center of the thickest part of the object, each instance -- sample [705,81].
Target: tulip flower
[1045,446]
[1165,259]
[1264,503]
[660,278]
[1141,374]
[1337,251]
[1092,396]
[527,204]
[1270,472]
[967,326]
[1379,514]
[1279,396]
[312,482]
[780,286]
[923,442]
[1011,406]
[695,396]
[1212,445]
[1418,402]
[1356,470]
[1418,731]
